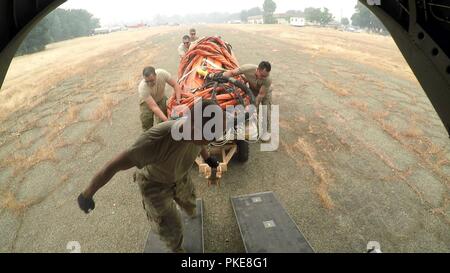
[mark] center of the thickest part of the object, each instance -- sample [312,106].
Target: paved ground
[362,157]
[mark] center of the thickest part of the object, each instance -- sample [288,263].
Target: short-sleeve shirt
[156,91]
[249,71]
[160,158]
[182,50]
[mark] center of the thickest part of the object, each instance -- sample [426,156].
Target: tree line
[362,17]
[59,25]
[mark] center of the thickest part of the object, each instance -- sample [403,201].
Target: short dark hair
[192,30]
[264,65]
[148,71]
[186,37]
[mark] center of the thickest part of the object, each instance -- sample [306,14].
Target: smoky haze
[195,11]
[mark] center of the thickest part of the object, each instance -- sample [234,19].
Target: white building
[255,20]
[297,21]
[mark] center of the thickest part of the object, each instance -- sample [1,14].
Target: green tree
[248,13]
[345,21]
[325,16]
[269,8]
[36,40]
[364,18]
[59,25]
[244,15]
[255,11]
[319,16]
[312,15]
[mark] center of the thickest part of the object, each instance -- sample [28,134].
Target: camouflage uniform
[148,118]
[249,70]
[156,91]
[163,177]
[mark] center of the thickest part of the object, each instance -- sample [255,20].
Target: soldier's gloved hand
[215,76]
[86,204]
[212,161]
[211,76]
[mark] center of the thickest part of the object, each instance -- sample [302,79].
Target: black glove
[216,77]
[86,204]
[212,162]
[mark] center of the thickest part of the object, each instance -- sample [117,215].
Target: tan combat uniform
[163,177]
[249,70]
[148,118]
[182,50]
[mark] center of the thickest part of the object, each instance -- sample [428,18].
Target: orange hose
[215,51]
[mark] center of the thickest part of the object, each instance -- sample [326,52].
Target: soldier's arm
[204,153]
[181,51]
[151,103]
[262,93]
[232,73]
[176,88]
[121,162]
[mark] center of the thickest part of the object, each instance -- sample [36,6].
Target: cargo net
[200,76]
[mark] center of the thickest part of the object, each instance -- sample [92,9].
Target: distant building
[234,22]
[136,25]
[101,30]
[297,21]
[281,18]
[255,20]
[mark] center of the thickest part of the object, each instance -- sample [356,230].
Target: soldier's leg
[163,106]
[267,111]
[147,117]
[185,196]
[165,219]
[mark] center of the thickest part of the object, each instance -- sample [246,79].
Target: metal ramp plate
[266,227]
[193,235]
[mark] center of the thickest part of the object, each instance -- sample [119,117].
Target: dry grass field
[362,157]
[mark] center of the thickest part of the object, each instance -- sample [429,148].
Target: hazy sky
[116,11]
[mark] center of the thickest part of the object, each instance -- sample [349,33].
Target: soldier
[260,82]
[152,100]
[184,46]
[163,174]
[193,35]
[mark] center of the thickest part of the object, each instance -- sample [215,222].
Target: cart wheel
[242,151]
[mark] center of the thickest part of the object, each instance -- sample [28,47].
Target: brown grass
[318,169]
[390,129]
[360,105]
[338,90]
[10,202]
[23,163]
[73,114]
[412,131]
[129,85]
[380,115]
[76,57]
[390,104]
[105,108]
[93,137]
[23,146]
[332,86]
[55,131]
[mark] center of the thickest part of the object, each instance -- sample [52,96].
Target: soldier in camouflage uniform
[163,177]
[152,100]
[260,82]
